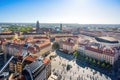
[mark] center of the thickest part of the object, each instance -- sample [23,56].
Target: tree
[103,64]
[68,67]
[98,62]
[28,28]
[25,29]
[90,59]
[19,28]
[22,29]
[108,65]
[94,61]
[76,54]
[55,46]
[86,58]
[13,28]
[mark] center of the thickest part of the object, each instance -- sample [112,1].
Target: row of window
[100,56]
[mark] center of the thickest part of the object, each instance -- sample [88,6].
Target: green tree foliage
[20,28]
[55,46]
[68,67]
[90,59]
[76,54]
[108,65]
[13,28]
[103,64]
[86,58]
[94,61]
[25,29]
[98,62]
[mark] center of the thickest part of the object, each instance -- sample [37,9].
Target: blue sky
[61,11]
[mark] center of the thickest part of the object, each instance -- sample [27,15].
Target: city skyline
[61,11]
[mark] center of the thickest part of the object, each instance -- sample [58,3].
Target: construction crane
[12,58]
[6,64]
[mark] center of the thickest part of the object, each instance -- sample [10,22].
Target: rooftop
[68,43]
[105,50]
[35,65]
[108,38]
[31,58]
[65,36]
[46,60]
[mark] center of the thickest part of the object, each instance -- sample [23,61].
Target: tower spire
[37,27]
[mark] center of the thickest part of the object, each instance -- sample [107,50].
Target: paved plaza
[76,72]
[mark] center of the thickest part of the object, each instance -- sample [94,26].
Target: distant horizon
[53,23]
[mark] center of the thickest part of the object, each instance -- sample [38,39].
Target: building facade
[15,66]
[47,63]
[67,43]
[100,51]
[38,46]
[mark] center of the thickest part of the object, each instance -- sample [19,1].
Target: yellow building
[19,66]
[63,38]
[70,45]
[15,66]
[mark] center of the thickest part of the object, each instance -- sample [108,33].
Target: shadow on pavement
[107,74]
[64,55]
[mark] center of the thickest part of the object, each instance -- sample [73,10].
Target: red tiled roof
[44,45]
[46,60]
[7,32]
[95,50]
[68,43]
[28,38]
[110,53]
[66,36]
[30,58]
[40,37]
[3,40]
[32,49]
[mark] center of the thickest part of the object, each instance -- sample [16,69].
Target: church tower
[37,27]
[61,27]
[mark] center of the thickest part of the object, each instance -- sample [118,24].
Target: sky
[60,11]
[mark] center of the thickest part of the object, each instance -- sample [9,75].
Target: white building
[102,50]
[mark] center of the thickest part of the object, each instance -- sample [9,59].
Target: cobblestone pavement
[76,72]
